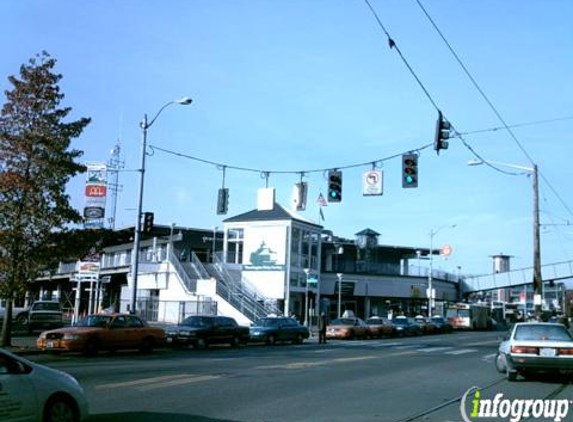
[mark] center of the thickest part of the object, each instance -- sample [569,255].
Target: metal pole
[537,281]
[429,293]
[214,246]
[306,271]
[339,275]
[137,235]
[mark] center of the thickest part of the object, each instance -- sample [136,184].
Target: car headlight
[42,336]
[70,337]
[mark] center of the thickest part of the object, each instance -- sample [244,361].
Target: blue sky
[295,85]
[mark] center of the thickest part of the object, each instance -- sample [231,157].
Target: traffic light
[442,132]
[334,186]
[147,222]
[409,171]
[223,201]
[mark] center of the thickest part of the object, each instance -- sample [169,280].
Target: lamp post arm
[145,125]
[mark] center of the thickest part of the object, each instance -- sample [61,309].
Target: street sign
[312,280]
[372,183]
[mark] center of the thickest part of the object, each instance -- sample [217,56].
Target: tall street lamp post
[537,282]
[430,292]
[144,125]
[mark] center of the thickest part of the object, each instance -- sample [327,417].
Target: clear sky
[297,85]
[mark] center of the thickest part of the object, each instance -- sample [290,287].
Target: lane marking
[181,381]
[434,349]
[140,381]
[461,351]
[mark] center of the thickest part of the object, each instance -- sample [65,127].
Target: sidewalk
[23,345]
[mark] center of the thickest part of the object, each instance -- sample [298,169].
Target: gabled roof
[367,232]
[277,213]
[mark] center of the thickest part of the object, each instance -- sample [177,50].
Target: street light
[537,282]
[430,292]
[339,275]
[307,272]
[144,125]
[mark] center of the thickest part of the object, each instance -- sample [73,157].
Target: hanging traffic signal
[223,201]
[334,186]
[409,171]
[147,222]
[442,133]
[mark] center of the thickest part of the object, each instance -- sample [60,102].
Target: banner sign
[95,195]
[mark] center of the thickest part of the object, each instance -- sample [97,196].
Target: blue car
[271,330]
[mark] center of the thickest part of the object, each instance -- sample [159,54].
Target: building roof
[367,232]
[277,213]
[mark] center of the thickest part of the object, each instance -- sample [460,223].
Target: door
[17,396]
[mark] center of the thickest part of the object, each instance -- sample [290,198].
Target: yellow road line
[180,381]
[140,381]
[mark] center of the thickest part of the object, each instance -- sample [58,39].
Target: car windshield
[46,306]
[438,320]
[267,322]
[195,321]
[95,321]
[401,321]
[542,332]
[375,321]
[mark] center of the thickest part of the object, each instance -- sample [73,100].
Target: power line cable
[267,172]
[534,123]
[491,105]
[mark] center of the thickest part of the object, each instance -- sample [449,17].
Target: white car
[535,346]
[32,392]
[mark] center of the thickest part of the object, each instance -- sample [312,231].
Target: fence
[174,312]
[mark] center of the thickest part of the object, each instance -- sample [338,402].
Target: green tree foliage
[36,163]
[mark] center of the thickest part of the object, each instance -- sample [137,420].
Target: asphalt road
[388,380]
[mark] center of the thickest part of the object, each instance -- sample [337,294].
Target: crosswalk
[397,345]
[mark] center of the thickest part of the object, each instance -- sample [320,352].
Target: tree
[35,166]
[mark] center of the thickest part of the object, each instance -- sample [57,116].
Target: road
[388,380]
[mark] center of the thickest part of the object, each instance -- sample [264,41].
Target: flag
[321,201]
[321,214]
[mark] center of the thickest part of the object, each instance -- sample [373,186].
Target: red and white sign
[446,250]
[96,190]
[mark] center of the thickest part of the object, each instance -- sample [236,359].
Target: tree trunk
[6,335]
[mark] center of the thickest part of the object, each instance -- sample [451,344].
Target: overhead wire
[490,103]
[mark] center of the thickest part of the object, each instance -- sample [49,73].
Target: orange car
[347,328]
[103,332]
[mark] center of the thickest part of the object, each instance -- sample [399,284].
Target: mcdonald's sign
[96,190]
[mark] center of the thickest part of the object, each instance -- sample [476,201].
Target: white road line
[386,344]
[489,358]
[141,381]
[461,351]
[180,381]
[409,346]
[434,349]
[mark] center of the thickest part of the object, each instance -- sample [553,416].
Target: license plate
[547,352]
[50,344]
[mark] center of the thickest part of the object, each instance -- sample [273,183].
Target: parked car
[442,324]
[274,329]
[103,332]
[33,392]
[406,326]
[42,314]
[535,346]
[426,325]
[380,327]
[201,331]
[347,328]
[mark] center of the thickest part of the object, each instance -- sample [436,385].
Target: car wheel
[299,339]
[61,409]
[92,347]
[22,320]
[500,363]
[201,343]
[146,345]
[511,375]
[271,340]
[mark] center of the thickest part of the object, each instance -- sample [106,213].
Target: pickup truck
[200,331]
[42,314]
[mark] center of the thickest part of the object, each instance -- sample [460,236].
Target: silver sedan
[535,346]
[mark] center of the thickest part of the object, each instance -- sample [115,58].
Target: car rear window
[542,332]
